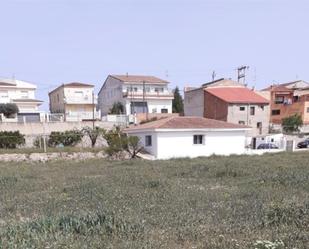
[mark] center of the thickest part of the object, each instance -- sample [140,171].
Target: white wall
[180,143]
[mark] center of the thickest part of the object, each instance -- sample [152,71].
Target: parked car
[303,144]
[267,146]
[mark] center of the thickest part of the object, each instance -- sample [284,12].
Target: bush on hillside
[11,139]
[67,138]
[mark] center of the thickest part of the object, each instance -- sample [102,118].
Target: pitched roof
[186,123]
[139,79]
[72,85]
[280,88]
[16,83]
[286,85]
[237,95]
[77,84]
[28,100]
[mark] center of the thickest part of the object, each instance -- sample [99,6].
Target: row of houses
[222,99]
[77,101]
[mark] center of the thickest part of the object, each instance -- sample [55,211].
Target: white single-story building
[190,137]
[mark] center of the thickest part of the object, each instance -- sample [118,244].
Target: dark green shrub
[117,108]
[11,139]
[118,142]
[67,138]
[292,123]
[9,110]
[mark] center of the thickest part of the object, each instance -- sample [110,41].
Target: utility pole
[241,74]
[93,109]
[213,75]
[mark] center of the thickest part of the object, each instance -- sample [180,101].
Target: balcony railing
[81,100]
[140,94]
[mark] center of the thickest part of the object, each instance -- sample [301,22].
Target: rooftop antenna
[166,73]
[213,75]
[127,74]
[241,74]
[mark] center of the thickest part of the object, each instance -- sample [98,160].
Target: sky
[50,42]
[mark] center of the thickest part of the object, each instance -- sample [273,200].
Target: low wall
[143,116]
[47,128]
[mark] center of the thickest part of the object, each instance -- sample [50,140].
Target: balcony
[80,116]
[80,100]
[167,94]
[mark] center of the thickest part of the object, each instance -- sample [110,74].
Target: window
[279,99]
[198,139]
[4,94]
[148,140]
[262,107]
[308,109]
[147,89]
[24,94]
[259,125]
[275,112]
[159,89]
[252,110]
[164,110]
[154,110]
[135,89]
[241,122]
[242,108]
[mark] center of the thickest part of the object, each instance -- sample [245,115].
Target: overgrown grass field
[216,202]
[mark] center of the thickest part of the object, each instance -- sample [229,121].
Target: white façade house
[22,94]
[190,137]
[138,94]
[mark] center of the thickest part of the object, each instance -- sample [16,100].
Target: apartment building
[238,105]
[285,102]
[194,97]
[22,94]
[76,101]
[137,93]
[288,99]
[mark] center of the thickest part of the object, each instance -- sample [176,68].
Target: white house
[138,94]
[23,95]
[190,137]
[76,101]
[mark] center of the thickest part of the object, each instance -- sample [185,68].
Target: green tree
[117,108]
[177,102]
[292,123]
[118,142]
[133,146]
[9,110]
[93,134]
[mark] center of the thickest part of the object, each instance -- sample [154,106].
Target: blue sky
[49,42]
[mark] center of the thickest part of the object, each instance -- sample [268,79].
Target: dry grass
[216,202]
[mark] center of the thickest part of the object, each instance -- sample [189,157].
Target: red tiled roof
[237,95]
[186,123]
[77,84]
[280,88]
[72,84]
[139,79]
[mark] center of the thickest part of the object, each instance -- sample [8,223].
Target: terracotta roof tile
[139,79]
[187,123]
[237,95]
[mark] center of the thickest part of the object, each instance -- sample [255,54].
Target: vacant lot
[216,202]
